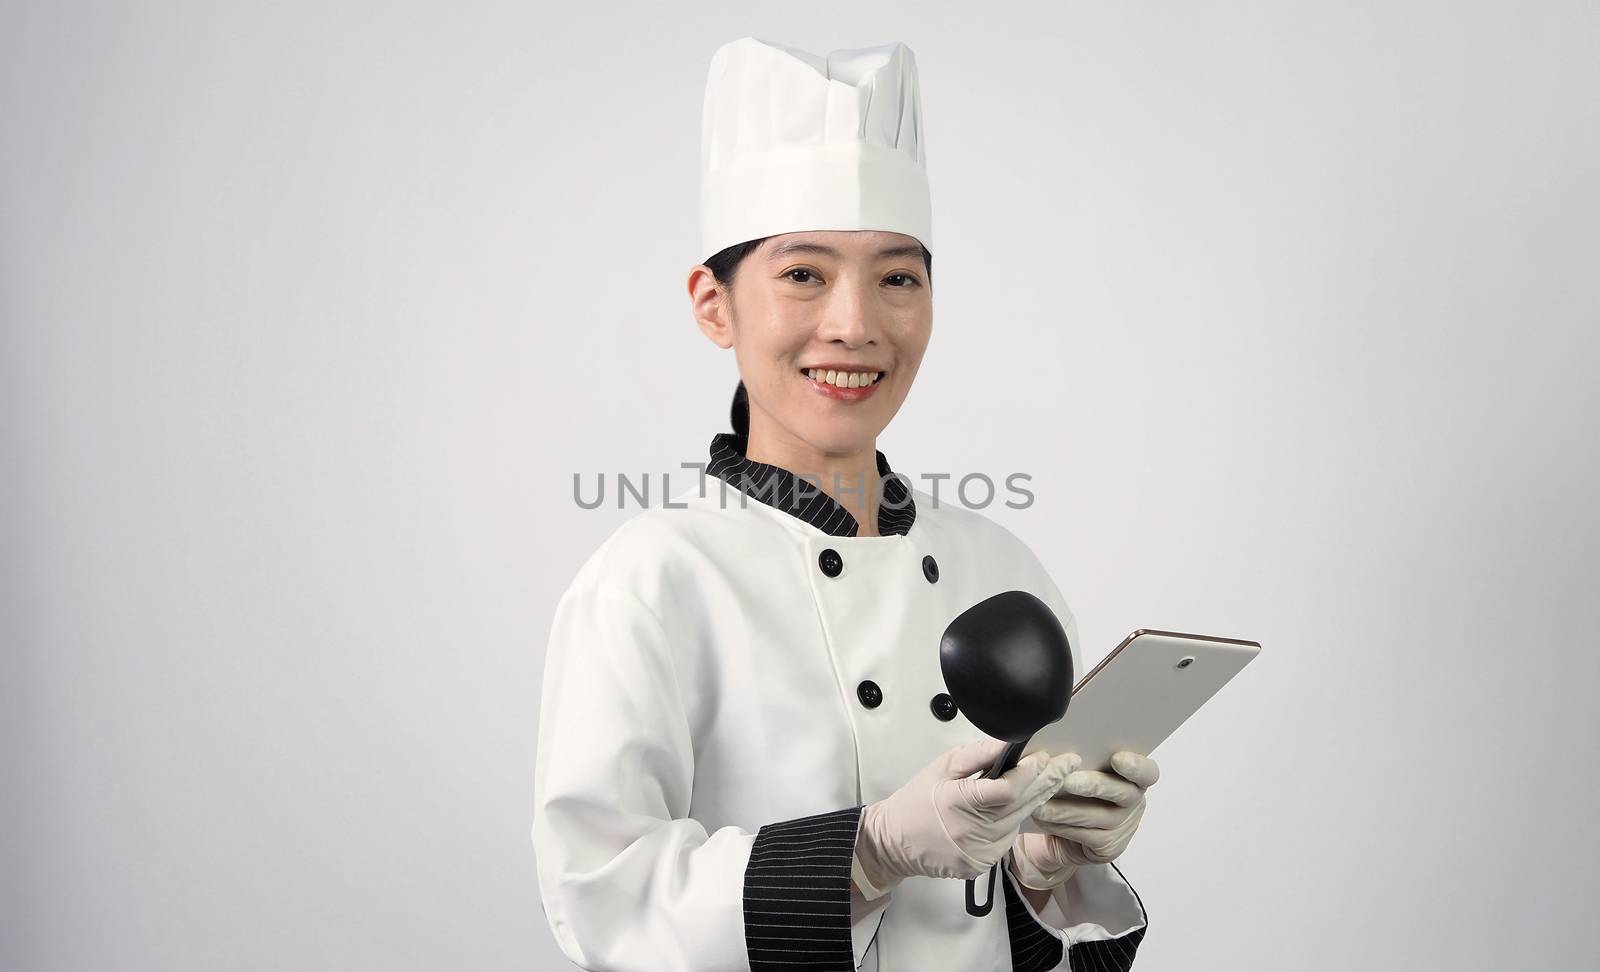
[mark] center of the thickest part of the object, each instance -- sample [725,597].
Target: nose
[850,316]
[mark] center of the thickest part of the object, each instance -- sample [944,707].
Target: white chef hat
[791,141]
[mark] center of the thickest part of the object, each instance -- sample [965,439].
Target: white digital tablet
[1140,694]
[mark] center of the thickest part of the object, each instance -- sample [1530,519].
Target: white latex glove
[948,822]
[1090,821]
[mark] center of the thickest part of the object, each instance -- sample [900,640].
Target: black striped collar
[776,487]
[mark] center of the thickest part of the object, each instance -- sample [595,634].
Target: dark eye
[791,276]
[908,278]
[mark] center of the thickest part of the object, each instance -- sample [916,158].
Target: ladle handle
[1006,760]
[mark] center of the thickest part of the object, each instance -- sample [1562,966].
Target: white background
[311,313]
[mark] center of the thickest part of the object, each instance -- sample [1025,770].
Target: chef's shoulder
[656,551]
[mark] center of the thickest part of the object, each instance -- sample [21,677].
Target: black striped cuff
[797,893]
[1033,949]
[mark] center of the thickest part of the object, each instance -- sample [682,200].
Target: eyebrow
[800,246]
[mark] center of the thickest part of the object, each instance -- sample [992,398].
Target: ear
[709,302]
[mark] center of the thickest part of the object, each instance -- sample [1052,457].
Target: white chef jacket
[730,677]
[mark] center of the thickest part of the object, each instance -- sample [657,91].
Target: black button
[869,694]
[930,569]
[830,562]
[943,706]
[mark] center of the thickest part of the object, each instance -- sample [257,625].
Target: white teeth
[845,379]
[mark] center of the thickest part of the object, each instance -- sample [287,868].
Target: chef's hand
[1090,821]
[948,822]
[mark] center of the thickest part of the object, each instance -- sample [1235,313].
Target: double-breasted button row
[832,564]
[871,696]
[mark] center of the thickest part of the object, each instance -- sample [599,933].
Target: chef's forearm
[858,898]
[1036,898]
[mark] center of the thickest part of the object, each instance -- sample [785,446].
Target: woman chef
[747,759]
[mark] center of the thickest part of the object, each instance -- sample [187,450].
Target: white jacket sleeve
[1093,921]
[627,879]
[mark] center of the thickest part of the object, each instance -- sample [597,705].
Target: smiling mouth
[843,379]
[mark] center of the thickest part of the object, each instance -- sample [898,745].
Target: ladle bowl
[1007,664]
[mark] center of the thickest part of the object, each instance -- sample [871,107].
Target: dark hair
[724,265]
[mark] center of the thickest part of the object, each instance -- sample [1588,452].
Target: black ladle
[1008,667]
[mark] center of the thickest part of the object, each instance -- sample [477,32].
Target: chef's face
[802,304]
